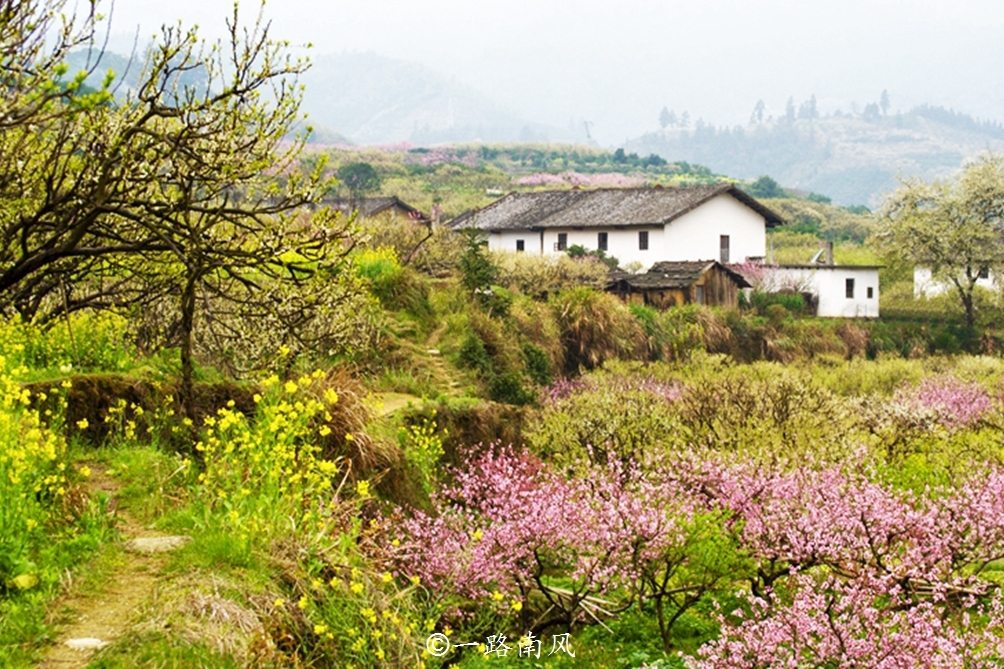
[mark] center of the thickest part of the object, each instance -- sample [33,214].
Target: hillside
[853,159]
[373,100]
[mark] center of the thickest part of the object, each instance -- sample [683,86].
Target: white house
[840,291]
[650,225]
[925,285]
[644,225]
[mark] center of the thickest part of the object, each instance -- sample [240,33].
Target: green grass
[161,651]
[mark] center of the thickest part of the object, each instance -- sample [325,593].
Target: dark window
[562,241]
[871,292]
[724,248]
[849,288]
[643,240]
[519,245]
[601,241]
[984,273]
[700,294]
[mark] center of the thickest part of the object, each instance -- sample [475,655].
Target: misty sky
[617,63]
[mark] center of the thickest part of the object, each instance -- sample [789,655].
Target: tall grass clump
[594,327]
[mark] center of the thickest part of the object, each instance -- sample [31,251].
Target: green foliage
[578,251]
[541,275]
[538,364]
[672,334]
[360,178]
[764,409]
[765,187]
[607,420]
[477,271]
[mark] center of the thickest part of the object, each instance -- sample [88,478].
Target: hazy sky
[617,63]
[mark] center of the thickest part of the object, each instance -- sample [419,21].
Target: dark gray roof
[369,206]
[601,207]
[674,274]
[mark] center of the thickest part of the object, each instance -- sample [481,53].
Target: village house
[686,236]
[389,208]
[634,225]
[676,283]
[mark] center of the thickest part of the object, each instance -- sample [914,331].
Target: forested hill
[853,158]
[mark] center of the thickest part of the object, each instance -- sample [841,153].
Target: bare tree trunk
[185,391]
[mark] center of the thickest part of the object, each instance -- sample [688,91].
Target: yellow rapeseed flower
[85,471]
[386,577]
[290,387]
[363,488]
[82,423]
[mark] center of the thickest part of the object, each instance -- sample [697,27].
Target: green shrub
[538,364]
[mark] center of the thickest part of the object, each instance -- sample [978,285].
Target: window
[519,245]
[723,247]
[601,241]
[984,273]
[643,240]
[871,292]
[849,288]
[700,294]
[562,241]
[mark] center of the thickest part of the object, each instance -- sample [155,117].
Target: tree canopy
[954,228]
[178,195]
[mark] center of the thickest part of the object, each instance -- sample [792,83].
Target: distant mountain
[376,100]
[854,159]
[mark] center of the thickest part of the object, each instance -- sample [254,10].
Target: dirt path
[90,615]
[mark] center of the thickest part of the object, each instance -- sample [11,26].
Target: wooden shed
[674,284]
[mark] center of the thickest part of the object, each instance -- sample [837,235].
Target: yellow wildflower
[386,577]
[82,423]
[363,488]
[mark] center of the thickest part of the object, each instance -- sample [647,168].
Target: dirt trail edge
[90,617]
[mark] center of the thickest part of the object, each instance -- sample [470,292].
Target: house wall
[828,284]
[506,240]
[622,243]
[695,235]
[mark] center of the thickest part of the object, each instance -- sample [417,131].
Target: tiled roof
[601,207]
[674,274]
[369,206]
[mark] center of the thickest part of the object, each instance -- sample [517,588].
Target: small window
[519,245]
[849,288]
[871,292]
[723,247]
[562,241]
[601,241]
[984,273]
[643,240]
[700,294]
